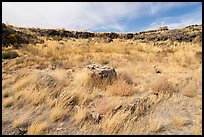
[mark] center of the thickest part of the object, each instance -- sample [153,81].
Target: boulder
[102,72]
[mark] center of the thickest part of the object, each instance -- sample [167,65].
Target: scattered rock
[55,64]
[157,70]
[20,131]
[95,117]
[45,80]
[116,109]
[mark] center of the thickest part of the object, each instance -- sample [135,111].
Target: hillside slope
[47,89]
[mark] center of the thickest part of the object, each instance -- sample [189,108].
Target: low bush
[9,55]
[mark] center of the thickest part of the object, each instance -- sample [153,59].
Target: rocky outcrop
[10,36]
[188,34]
[161,34]
[172,35]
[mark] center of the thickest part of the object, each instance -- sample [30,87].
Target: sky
[102,16]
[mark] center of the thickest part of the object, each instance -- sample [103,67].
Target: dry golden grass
[120,88]
[185,56]
[199,101]
[58,114]
[126,77]
[4,120]
[23,82]
[199,119]
[154,125]
[81,78]
[59,74]
[37,128]
[112,125]
[80,115]
[164,86]
[104,106]
[197,131]
[189,93]
[34,97]
[85,99]
[50,102]
[31,49]
[22,121]
[6,83]
[7,102]
[134,62]
[6,93]
[31,96]
[198,55]
[72,96]
[190,89]
[178,122]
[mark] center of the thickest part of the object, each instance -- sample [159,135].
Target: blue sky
[102,16]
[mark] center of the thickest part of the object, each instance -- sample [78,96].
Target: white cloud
[79,15]
[157,7]
[177,22]
[67,15]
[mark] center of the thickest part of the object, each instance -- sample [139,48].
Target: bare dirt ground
[45,90]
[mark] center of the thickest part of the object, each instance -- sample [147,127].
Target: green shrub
[12,38]
[9,55]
